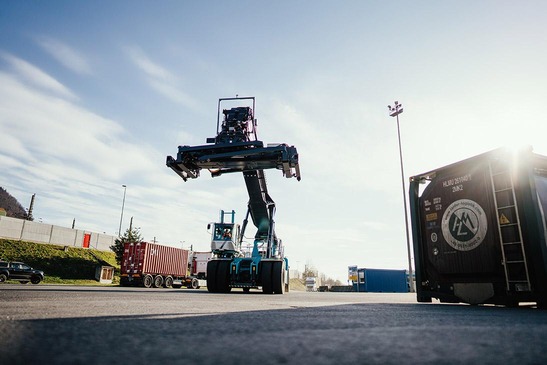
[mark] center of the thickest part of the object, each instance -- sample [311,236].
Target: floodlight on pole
[123,205]
[394,111]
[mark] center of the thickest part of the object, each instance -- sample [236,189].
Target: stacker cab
[225,235]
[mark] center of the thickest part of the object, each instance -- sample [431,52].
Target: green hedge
[56,262]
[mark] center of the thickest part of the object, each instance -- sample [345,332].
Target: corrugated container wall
[479,229]
[149,258]
[382,281]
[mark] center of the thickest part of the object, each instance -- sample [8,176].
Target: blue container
[382,281]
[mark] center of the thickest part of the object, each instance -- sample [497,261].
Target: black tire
[158,281]
[148,281]
[266,276]
[168,282]
[3,278]
[278,277]
[124,281]
[194,284]
[246,290]
[288,285]
[212,276]
[24,281]
[223,276]
[35,279]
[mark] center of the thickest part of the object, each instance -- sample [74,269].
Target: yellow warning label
[430,217]
[503,219]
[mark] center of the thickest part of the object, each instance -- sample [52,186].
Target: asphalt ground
[49,324]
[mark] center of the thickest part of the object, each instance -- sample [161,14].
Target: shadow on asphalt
[341,334]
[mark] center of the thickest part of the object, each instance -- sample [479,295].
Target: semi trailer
[152,265]
[236,148]
[479,230]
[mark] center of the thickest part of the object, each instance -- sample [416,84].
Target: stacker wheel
[212,276]
[266,275]
[194,284]
[223,276]
[288,281]
[278,278]
[148,281]
[168,282]
[158,281]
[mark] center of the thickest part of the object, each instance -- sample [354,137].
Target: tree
[309,271]
[132,235]
[329,281]
[12,207]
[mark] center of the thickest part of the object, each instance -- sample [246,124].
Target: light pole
[123,205]
[394,111]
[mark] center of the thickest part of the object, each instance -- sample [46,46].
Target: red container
[144,258]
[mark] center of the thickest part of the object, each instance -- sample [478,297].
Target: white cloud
[61,145]
[144,63]
[66,55]
[76,161]
[173,93]
[160,79]
[36,76]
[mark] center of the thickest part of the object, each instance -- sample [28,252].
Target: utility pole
[394,111]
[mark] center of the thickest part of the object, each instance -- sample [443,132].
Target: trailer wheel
[266,275]
[168,282]
[278,277]
[212,276]
[148,281]
[158,281]
[223,276]
[194,284]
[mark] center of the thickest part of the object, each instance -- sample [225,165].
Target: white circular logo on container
[464,225]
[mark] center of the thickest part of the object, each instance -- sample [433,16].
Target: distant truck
[19,271]
[311,283]
[152,265]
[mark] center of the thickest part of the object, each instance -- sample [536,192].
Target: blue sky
[94,95]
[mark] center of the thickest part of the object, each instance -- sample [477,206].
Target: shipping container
[381,281]
[150,264]
[479,229]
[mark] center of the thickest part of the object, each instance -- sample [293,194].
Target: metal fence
[23,230]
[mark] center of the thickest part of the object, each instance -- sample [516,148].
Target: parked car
[19,271]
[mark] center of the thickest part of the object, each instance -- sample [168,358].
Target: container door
[460,234]
[87,239]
